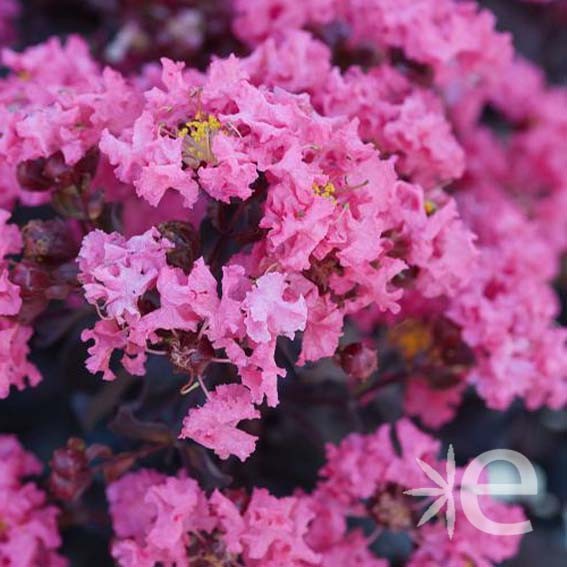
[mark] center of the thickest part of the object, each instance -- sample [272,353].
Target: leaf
[127,425]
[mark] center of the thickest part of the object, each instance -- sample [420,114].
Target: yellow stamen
[430,207]
[198,134]
[411,337]
[328,190]
[200,129]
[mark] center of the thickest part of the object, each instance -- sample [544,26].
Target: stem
[203,387]
[138,454]
[374,535]
[157,352]
[189,387]
[221,360]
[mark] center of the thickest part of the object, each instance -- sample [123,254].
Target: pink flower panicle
[171,520]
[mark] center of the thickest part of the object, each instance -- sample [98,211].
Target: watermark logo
[469,490]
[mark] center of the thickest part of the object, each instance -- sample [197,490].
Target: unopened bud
[185,242]
[358,360]
[57,170]
[70,473]
[70,202]
[191,353]
[48,241]
[30,175]
[32,279]
[63,174]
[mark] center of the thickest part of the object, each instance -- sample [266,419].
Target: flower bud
[40,283]
[70,202]
[57,170]
[63,174]
[358,360]
[185,242]
[191,353]
[32,279]
[70,473]
[48,241]
[454,351]
[88,164]
[30,175]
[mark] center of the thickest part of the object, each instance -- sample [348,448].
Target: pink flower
[64,104]
[15,369]
[507,311]
[357,467]
[170,520]
[271,310]
[185,301]
[351,550]
[297,62]
[453,38]
[108,337]
[214,425]
[227,320]
[130,515]
[180,507]
[10,301]
[154,517]
[468,543]
[10,239]
[158,154]
[259,19]
[232,176]
[258,371]
[274,531]
[365,477]
[434,407]
[117,272]
[324,325]
[29,526]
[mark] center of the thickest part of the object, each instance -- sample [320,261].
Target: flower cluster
[28,526]
[366,193]
[367,476]
[171,521]
[15,369]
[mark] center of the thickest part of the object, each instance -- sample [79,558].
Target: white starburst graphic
[444,492]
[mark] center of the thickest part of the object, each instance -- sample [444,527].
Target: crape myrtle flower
[370,192]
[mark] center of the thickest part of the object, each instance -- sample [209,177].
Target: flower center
[327,191]
[412,338]
[207,550]
[197,137]
[430,207]
[391,510]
